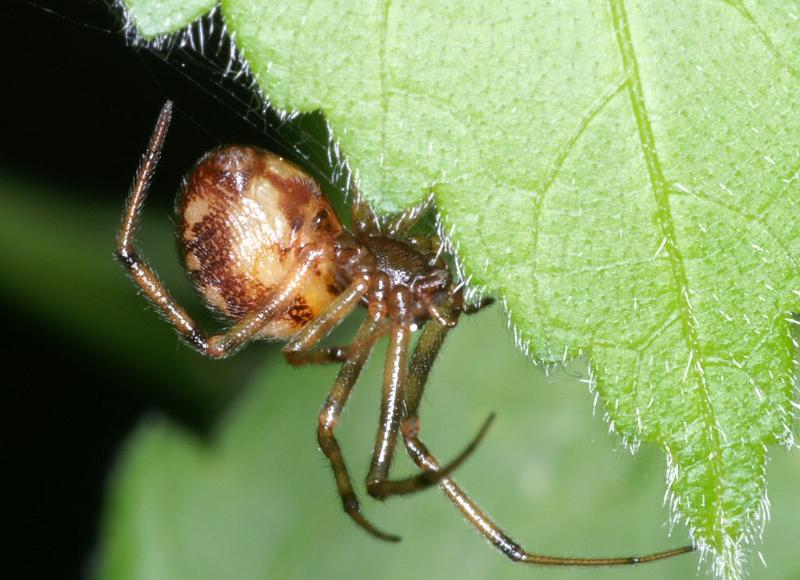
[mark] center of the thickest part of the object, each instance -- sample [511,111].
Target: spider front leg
[219,345]
[364,219]
[422,361]
[395,375]
[395,384]
[403,223]
[300,350]
[369,332]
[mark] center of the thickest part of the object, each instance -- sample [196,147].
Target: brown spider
[266,251]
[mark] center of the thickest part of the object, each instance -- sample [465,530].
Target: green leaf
[154,17]
[623,174]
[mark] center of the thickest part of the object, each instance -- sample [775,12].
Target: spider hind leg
[329,418]
[427,349]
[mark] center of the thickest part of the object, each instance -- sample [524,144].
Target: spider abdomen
[244,218]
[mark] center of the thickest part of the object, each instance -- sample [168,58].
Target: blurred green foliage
[254,499]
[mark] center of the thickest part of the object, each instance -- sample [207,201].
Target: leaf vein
[751,219]
[586,119]
[791,178]
[384,86]
[738,6]
[642,346]
[665,221]
[563,153]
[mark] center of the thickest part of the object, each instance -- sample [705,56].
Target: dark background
[76,106]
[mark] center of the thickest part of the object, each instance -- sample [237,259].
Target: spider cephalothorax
[267,252]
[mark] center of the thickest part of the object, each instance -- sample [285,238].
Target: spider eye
[322,216]
[322,221]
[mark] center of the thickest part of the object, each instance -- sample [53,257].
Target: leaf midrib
[666,225]
[384,86]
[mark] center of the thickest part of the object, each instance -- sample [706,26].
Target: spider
[267,252]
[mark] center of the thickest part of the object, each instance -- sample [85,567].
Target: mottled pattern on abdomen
[244,216]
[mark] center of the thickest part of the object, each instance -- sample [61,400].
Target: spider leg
[300,350]
[492,532]
[428,346]
[329,417]
[325,355]
[476,307]
[425,354]
[395,376]
[426,244]
[442,316]
[428,478]
[219,345]
[404,222]
[364,219]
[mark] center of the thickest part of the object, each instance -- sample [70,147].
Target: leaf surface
[623,174]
